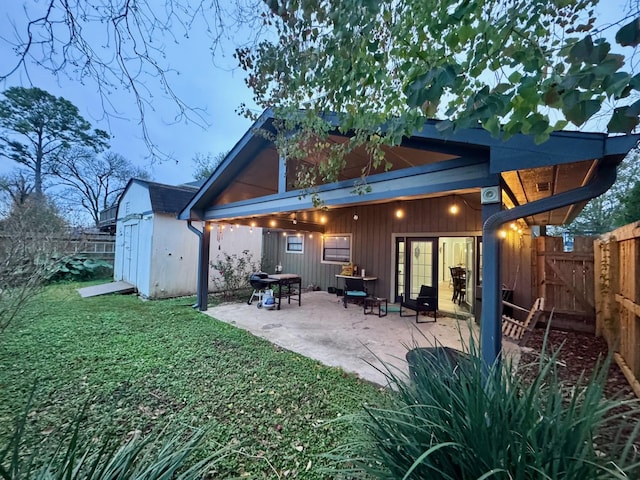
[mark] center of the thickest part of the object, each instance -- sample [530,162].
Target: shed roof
[166,198]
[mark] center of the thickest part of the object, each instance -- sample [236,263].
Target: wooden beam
[384,187]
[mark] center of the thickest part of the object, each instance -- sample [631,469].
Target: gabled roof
[252,180]
[165,198]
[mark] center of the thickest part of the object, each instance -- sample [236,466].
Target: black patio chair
[427,301]
[354,288]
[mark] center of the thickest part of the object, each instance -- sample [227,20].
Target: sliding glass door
[420,262]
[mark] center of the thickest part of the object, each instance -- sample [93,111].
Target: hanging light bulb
[355,216]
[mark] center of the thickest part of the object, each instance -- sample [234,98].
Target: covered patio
[322,329]
[443,202]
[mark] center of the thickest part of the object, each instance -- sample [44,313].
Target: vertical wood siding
[372,240]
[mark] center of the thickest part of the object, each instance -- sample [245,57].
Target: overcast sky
[216,90]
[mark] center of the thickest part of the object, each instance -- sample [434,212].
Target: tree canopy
[35,127]
[205,164]
[93,182]
[512,66]
[616,207]
[121,47]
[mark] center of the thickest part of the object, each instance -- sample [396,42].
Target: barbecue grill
[260,282]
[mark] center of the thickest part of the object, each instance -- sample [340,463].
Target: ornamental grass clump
[78,456]
[454,419]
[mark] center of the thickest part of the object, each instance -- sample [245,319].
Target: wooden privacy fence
[617,261]
[91,245]
[566,281]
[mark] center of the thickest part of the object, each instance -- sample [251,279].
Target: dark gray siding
[372,238]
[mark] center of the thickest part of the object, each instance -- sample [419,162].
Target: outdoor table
[288,280]
[364,279]
[371,302]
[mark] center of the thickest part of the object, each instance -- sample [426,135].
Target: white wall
[234,242]
[174,254]
[162,261]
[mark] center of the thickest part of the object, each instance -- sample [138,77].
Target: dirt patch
[579,354]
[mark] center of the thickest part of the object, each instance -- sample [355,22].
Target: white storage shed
[155,251]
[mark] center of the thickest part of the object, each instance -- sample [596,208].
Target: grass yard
[148,366]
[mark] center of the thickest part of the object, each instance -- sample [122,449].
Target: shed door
[130,257]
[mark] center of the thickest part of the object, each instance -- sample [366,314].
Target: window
[295,244]
[336,248]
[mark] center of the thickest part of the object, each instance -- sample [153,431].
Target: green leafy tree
[630,211]
[512,66]
[36,126]
[93,182]
[205,165]
[609,210]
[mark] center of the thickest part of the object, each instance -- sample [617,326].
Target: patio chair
[459,280]
[354,288]
[427,301]
[517,330]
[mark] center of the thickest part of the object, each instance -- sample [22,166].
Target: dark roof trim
[164,198]
[518,152]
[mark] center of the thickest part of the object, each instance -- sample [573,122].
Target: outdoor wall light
[272,223]
[502,233]
[284,234]
[399,213]
[355,216]
[454,209]
[295,219]
[323,219]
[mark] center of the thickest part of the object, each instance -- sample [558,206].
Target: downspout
[202,282]
[490,329]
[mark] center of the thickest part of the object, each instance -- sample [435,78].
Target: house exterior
[154,250]
[465,199]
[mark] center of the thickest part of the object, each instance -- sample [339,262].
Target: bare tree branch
[121,45]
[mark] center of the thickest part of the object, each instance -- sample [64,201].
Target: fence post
[601,280]
[612,321]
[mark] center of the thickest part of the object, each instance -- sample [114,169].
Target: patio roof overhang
[546,184]
[253,185]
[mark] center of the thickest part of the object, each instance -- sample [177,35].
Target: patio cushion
[356,293]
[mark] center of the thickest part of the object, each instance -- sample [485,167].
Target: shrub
[78,268]
[456,420]
[233,273]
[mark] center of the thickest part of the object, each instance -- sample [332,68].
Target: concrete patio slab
[322,329]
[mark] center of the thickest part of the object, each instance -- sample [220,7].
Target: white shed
[155,251]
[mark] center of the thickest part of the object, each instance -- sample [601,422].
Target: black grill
[259,281]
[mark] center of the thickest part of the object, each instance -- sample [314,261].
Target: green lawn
[150,365]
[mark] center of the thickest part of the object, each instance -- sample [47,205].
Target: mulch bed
[578,355]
